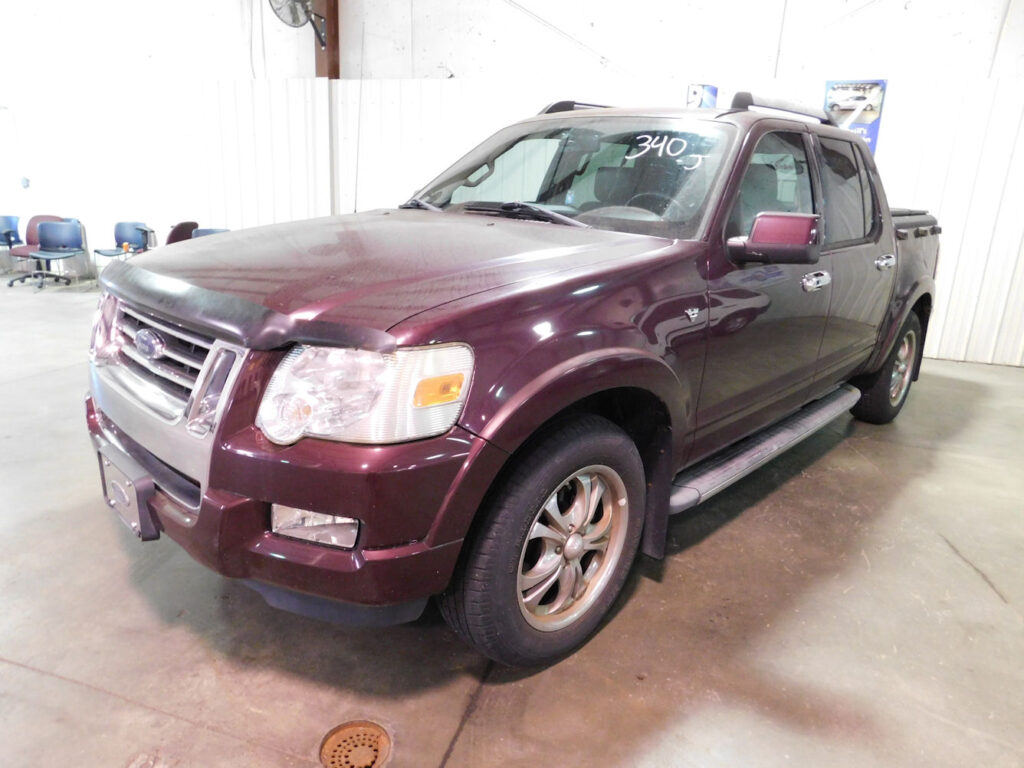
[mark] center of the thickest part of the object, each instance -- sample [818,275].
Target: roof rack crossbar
[744,100]
[569,106]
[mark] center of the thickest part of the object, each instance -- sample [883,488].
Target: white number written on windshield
[665,146]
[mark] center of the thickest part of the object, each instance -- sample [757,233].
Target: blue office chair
[57,240]
[31,243]
[9,239]
[130,237]
[9,231]
[204,232]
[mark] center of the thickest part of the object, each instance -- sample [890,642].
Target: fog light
[331,530]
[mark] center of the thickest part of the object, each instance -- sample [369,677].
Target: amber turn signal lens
[438,390]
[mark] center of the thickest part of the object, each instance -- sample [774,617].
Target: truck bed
[910,218]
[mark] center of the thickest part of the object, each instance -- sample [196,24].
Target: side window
[776,180]
[849,205]
[868,192]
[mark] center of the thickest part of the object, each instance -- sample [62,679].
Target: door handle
[815,281]
[885,262]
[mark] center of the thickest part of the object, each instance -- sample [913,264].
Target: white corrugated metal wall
[266,154]
[969,170]
[231,154]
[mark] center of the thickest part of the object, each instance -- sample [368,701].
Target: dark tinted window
[848,202]
[869,200]
[776,180]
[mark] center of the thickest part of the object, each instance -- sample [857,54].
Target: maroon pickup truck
[499,392]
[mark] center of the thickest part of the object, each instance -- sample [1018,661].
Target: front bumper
[397,492]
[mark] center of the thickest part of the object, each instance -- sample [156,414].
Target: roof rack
[744,100]
[569,106]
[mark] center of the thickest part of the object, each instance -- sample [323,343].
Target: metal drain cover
[358,744]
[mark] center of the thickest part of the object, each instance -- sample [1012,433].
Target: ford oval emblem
[150,344]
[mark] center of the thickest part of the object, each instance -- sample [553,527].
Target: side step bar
[701,482]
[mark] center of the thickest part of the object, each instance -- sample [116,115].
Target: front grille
[176,370]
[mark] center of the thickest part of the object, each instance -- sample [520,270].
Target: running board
[699,483]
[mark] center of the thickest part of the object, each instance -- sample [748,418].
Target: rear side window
[775,180]
[849,204]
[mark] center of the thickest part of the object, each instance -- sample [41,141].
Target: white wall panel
[393,136]
[1005,174]
[1009,343]
[969,171]
[109,41]
[243,153]
[707,39]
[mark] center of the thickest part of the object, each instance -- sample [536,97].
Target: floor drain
[358,744]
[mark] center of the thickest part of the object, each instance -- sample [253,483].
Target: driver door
[766,332]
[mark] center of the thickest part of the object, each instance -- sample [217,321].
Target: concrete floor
[856,603]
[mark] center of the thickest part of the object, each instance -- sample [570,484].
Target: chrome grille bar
[191,359]
[180,333]
[182,356]
[175,375]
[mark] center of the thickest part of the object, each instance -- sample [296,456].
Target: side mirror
[778,238]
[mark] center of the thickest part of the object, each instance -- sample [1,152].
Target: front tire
[554,547]
[885,391]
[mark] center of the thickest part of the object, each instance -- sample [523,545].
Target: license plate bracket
[127,486]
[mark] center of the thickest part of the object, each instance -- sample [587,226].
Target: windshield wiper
[415,202]
[525,210]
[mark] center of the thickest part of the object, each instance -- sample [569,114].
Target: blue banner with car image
[856,105]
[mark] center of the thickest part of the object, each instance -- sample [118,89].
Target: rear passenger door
[859,254]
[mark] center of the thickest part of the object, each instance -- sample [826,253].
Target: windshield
[632,174]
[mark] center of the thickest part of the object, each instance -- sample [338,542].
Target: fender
[560,387]
[902,305]
[543,398]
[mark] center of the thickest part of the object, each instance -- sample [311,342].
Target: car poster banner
[857,106]
[698,95]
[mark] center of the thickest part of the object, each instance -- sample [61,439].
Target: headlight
[358,396]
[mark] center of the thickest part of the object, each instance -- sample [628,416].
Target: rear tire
[885,391]
[554,546]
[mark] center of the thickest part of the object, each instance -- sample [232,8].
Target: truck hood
[369,270]
[376,269]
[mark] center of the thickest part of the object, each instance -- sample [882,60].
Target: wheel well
[923,309]
[645,419]
[636,411]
